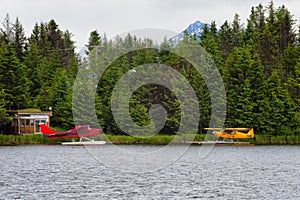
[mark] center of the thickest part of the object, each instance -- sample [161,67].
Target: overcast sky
[117,16]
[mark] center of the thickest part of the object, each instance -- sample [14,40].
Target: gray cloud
[117,16]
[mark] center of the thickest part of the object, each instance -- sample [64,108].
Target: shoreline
[36,139]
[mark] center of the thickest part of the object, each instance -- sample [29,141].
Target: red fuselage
[77,132]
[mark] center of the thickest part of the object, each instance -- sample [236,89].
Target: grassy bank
[276,140]
[30,139]
[21,139]
[166,139]
[153,140]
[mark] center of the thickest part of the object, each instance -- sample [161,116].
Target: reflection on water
[59,172]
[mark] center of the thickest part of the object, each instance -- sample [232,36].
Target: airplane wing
[227,129]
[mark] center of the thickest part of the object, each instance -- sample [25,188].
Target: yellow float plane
[232,133]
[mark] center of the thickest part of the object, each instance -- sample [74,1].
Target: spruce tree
[61,102]
[32,60]
[226,37]
[94,41]
[280,107]
[4,117]
[14,79]
[210,42]
[237,65]
[7,30]
[19,39]
[236,31]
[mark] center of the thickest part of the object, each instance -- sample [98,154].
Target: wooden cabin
[27,121]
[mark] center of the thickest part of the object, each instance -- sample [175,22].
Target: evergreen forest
[259,62]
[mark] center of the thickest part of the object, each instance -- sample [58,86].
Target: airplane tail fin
[251,133]
[46,130]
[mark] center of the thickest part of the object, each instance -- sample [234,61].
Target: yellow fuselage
[235,134]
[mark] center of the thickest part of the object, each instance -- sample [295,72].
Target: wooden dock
[221,143]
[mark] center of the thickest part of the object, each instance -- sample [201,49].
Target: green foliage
[259,64]
[4,117]
[39,76]
[94,40]
[260,70]
[60,97]
[13,80]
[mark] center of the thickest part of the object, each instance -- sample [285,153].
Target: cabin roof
[30,112]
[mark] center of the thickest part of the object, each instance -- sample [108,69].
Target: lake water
[59,172]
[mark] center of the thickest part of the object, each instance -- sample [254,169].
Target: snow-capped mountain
[192,29]
[82,55]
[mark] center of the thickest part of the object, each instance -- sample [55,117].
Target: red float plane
[77,132]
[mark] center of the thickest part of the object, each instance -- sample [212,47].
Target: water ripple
[58,172]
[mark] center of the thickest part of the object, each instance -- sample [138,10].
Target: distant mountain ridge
[195,28]
[82,55]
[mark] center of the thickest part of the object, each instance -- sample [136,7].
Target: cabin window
[27,122]
[37,124]
[31,122]
[22,122]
